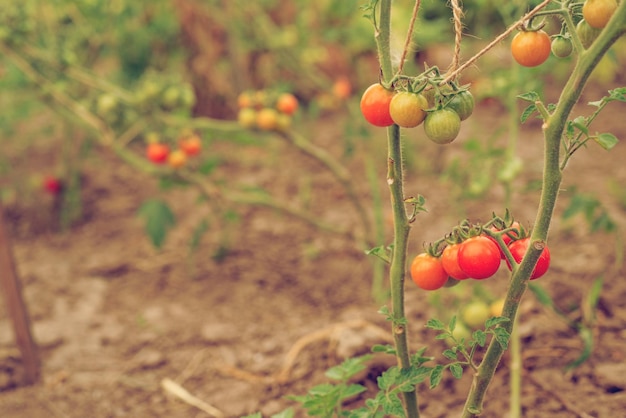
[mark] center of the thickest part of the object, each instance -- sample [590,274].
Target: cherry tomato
[375,105]
[190,145]
[442,126]
[479,257]
[561,46]
[287,103]
[475,314]
[267,119]
[586,33]
[177,159]
[427,272]
[531,48]
[157,152]
[450,262]
[496,307]
[518,250]
[52,185]
[247,117]
[462,103]
[598,12]
[342,88]
[244,100]
[407,109]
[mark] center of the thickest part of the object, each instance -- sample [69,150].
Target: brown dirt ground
[113,316]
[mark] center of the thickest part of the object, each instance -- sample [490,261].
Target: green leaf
[492,322]
[352,390]
[388,378]
[382,251]
[591,301]
[528,112]
[450,354]
[531,96]
[158,219]
[452,323]
[480,337]
[287,413]
[586,335]
[457,370]
[255,415]
[387,349]
[435,376]
[435,324]
[348,368]
[581,123]
[206,167]
[502,336]
[618,94]
[542,296]
[606,140]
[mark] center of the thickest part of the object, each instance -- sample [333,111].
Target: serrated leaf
[158,219]
[435,324]
[618,94]
[492,322]
[457,370]
[531,96]
[581,123]
[606,140]
[382,251]
[502,336]
[388,378]
[480,337]
[527,113]
[452,323]
[435,376]
[450,354]
[352,390]
[348,368]
[387,349]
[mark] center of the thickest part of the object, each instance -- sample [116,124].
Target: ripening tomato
[407,109]
[562,46]
[190,145]
[442,126]
[157,152]
[531,48]
[375,105]
[475,314]
[462,103]
[586,33]
[287,103]
[450,262]
[177,159]
[479,257]
[342,88]
[267,119]
[427,272]
[518,250]
[598,12]
[244,100]
[247,117]
[52,184]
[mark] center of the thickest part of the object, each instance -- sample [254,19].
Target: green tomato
[475,314]
[462,103]
[561,46]
[407,109]
[586,33]
[442,126]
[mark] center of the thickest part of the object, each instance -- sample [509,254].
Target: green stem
[553,131]
[400,219]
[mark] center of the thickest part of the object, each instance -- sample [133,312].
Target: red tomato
[450,262]
[531,48]
[427,272]
[375,105]
[518,250]
[191,145]
[479,257]
[52,185]
[157,152]
[287,103]
[342,88]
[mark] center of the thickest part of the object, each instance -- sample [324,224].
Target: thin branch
[409,35]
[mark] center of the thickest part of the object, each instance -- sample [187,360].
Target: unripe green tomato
[407,109]
[475,314]
[462,103]
[442,126]
[247,117]
[586,33]
[561,46]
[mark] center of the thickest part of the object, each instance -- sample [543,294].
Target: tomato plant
[407,109]
[157,152]
[267,119]
[450,262]
[518,250]
[442,126]
[427,272]
[479,257]
[531,48]
[375,105]
[598,12]
[177,159]
[586,33]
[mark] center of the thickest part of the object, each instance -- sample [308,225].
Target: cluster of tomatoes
[441,110]
[189,145]
[477,256]
[266,111]
[531,48]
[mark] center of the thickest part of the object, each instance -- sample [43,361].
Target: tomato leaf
[528,112]
[606,140]
[502,336]
[452,323]
[287,413]
[382,251]
[591,301]
[581,123]
[435,376]
[492,322]
[435,324]
[386,348]
[348,368]
[158,219]
[450,354]
[618,94]
[480,337]
[531,96]
[457,370]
